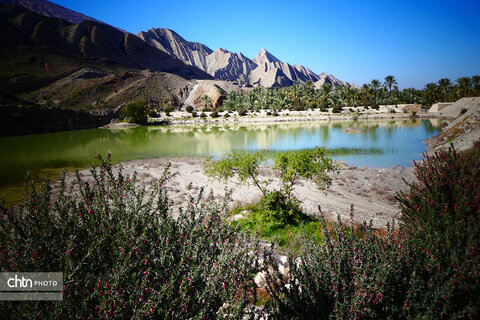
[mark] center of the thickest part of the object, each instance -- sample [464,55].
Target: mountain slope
[225,65]
[264,70]
[192,53]
[35,45]
[50,9]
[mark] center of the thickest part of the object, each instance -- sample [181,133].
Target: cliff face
[264,70]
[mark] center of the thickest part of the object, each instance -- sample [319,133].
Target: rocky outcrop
[206,88]
[464,129]
[439,106]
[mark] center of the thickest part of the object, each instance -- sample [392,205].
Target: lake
[395,142]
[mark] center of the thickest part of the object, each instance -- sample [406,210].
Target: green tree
[245,166]
[135,111]
[445,85]
[476,85]
[365,92]
[307,164]
[206,102]
[464,87]
[375,83]
[326,94]
[391,83]
[292,166]
[431,93]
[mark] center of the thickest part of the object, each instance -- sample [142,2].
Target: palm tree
[391,82]
[431,93]
[365,92]
[326,91]
[476,85]
[445,84]
[375,83]
[464,86]
[206,102]
[352,95]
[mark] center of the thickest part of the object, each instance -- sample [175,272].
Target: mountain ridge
[221,64]
[227,65]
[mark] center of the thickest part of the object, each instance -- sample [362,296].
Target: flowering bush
[441,215]
[345,276]
[123,255]
[427,268]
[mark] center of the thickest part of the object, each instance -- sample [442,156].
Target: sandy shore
[358,113]
[371,190]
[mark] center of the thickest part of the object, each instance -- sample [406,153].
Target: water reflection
[400,139]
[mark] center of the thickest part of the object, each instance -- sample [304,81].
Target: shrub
[278,216]
[167,110]
[189,109]
[122,253]
[242,112]
[203,115]
[135,111]
[337,109]
[344,277]
[440,216]
[279,220]
[269,113]
[428,268]
[313,104]
[226,115]
[152,114]
[214,114]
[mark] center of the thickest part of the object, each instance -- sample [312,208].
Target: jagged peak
[165,31]
[265,56]
[221,50]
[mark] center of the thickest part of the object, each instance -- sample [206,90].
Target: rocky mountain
[50,9]
[192,53]
[225,65]
[325,78]
[35,49]
[264,70]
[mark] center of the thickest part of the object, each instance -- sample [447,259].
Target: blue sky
[417,41]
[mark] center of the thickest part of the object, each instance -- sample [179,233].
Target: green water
[397,142]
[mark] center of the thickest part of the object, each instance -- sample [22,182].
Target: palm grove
[306,96]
